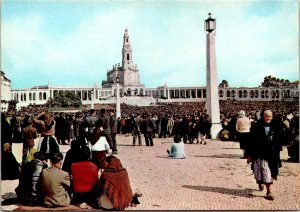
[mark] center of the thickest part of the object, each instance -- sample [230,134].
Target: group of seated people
[86,185]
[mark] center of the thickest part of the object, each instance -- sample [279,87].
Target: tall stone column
[118,106]
[212,98]
[92,99]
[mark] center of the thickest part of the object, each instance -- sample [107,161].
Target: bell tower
[127,52]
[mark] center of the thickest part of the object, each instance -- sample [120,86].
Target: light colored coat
[177,150]
[243,125]
[54,184]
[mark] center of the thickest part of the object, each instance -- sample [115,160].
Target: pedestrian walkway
[212,177]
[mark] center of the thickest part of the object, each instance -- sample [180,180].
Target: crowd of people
[261,127]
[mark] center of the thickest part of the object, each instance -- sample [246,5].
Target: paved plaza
[212,177]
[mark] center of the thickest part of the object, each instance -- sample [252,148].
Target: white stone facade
[5,91]
[135,93]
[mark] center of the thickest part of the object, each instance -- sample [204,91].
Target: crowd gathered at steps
[92,133]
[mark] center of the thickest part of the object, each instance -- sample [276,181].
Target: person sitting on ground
[114,186]
[29,189]
[10,168]
[55,183]
[177,148]
[98,146]
[72,155]
[85,180]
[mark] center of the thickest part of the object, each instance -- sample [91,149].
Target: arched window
[33,97]
[251,93]
[128,58]
[21,97]
[267,93]
[30,96]
[273,94]
[193,93]
[245,94]
[24,96]
[240,94]
[262,94]
[233,93]
[277,93]
[128,92]
[141,92]
[40,96]
[44,96]
[256,93]
[228,94]
[221,93]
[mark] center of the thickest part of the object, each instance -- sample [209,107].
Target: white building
[5,91]
[134,93]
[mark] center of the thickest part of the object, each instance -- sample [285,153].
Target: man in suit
[55,183]
[105,122]
[148,127]
[136,129]
[113,129]
[90,124]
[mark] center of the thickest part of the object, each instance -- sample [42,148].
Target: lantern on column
[210,24]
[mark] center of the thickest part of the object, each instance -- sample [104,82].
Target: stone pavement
[212,177]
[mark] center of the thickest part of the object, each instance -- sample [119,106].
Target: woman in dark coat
[265,151]
[9,165]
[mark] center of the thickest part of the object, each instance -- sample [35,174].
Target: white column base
[215,130]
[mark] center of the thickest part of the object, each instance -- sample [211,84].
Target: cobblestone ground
[212,177]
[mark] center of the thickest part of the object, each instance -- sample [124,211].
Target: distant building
[5,91]
[134,93]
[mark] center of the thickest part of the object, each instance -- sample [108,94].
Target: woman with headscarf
[115,190]
[47,143]
[243,126]
[265,151]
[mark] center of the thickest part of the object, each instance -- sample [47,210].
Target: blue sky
[75,42]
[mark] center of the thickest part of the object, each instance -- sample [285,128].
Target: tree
[64,99]
[223,84]
[12,104]
[270,81]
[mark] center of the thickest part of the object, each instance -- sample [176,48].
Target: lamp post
[212,98]
[118,107]
[92,99]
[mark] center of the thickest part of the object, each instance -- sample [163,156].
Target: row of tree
[269,81]
[64,99]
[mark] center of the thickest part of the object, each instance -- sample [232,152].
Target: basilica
[133,92]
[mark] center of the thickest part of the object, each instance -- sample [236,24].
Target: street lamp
[118,107]
[210,24]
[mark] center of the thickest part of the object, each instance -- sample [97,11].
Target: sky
[74,43]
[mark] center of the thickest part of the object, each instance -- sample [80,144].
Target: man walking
[148,128]
[113,129]
[136,129]
[105,123]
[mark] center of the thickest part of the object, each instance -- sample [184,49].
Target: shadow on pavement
[126,145]
[235,192]
[11,201]
[231,148]
[167,157]
[230,156]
